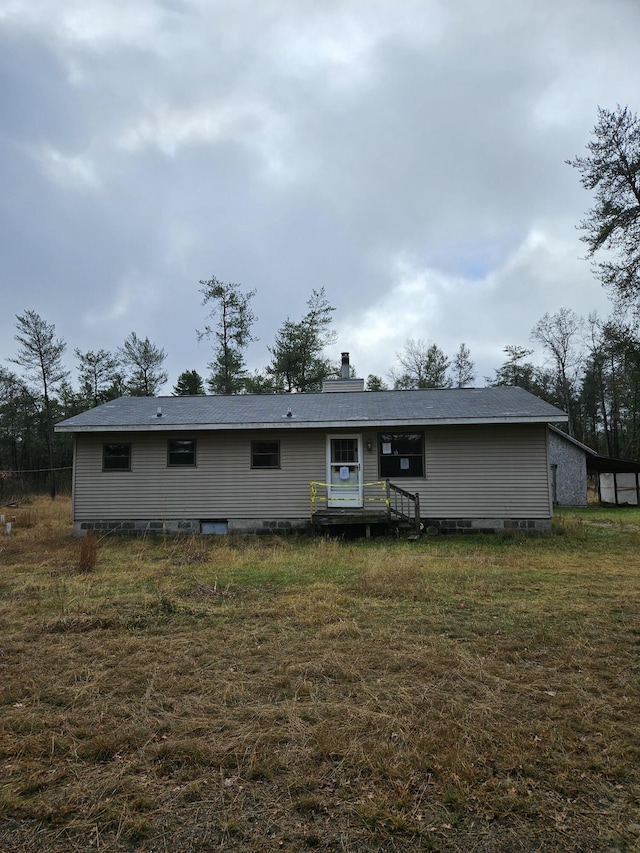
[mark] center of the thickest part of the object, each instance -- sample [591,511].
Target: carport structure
[618,479]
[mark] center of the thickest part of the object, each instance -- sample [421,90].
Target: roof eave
[572,440]
[286,423]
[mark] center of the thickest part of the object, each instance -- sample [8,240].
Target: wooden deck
[336,517]
[384,504]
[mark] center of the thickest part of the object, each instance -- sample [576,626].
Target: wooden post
[388,501]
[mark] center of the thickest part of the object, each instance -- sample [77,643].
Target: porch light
[369,445]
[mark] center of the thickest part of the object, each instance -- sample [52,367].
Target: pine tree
[189,384]
[144,361]
[98,376]
[40,354]
[297,359]
[422,366]
[612,226]
[231,334]
[463,369]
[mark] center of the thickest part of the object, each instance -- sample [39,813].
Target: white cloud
[132,299]
[95,25]
[540,275]
[169,129]
[73,172]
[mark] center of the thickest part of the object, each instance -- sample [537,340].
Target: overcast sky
[407,155]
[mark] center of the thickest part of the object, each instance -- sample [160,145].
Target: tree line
[590,366]
[41,394]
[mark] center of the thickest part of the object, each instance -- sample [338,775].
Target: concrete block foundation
[189,526]
[487,525]
[266,527]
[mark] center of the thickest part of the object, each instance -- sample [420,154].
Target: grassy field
[452,694]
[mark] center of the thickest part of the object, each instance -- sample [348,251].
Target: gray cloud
[408,156]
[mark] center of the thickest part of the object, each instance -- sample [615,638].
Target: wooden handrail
[409,505]
[400,504]
[372,493]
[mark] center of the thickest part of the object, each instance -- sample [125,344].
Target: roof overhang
[569,438]
[292,423]
[611,465]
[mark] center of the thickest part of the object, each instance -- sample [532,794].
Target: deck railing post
[404,505]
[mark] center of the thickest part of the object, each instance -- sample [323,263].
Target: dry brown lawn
[476,694]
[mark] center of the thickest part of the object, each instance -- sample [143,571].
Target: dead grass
[210,694]
[88,556]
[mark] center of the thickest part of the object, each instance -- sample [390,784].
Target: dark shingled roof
[335,409]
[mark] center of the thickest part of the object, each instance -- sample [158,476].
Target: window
[344,450]
[181,452]
[265,454]
[116,457]
[401,454]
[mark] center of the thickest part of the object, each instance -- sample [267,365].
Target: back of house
[475,459]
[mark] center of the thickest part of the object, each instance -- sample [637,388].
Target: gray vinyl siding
[222,485]
[481,471]
[499,471]
[487,471]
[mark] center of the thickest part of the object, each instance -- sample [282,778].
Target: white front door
[344,471]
